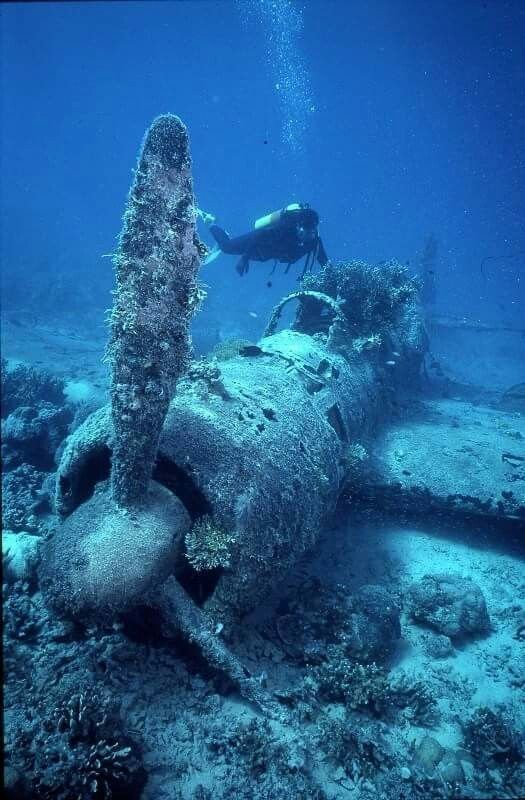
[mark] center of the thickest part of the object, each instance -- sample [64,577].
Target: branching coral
[496,741]
[277,761]
[492,736]
[371,297]
[359,686]
[84,715]
[253,741]
[414,698]
[21,618]
[360,749]
[208,546]
[81,752]
[369,688]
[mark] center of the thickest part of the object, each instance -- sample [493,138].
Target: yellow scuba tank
[275,216]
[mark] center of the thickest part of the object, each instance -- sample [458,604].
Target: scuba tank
[275,216]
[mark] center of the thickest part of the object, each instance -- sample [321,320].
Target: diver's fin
[212,255]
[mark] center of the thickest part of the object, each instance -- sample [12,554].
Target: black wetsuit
[278,242]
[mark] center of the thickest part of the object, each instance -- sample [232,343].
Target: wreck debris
[316,297]
[266,458]
[256,448]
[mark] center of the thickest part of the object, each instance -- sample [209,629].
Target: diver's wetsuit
[279,242]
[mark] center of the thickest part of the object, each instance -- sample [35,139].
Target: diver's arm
[322,258]
[240,245]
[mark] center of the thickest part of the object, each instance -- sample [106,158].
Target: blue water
[402,123]
[393,119]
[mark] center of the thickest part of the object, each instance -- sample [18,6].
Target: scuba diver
[284,236]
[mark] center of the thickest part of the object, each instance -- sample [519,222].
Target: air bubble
[282,22]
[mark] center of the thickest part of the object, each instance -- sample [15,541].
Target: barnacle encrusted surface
[156,295]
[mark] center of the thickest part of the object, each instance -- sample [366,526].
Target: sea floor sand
[179,715]
[482,670]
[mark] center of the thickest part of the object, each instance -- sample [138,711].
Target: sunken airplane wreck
[197,502]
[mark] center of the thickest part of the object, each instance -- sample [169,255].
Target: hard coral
[414,698]
[229,348]
[451,604]
[25,386]
[252,741]
[359,686]
[372,295]
[492,736]
[20,614]
[80,752]
[360,749]
[207,373]
[208,546]
[372,627]
[364,625]
[254,750]
[32,434]
[369,688]
[311,619]
[24,497]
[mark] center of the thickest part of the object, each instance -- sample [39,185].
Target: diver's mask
[306,234]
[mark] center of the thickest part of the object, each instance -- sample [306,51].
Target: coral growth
[364,626]
[360,749]
[415,700]
[370,689]
[359,686]
[35,420]
[25,496]
[156,295]
[79,750]
[495,740]
[206,374]
[253,750]
[23,385]
[229,348]
[492,737]
[253,741]
[372,297]
[20,613]
[451,604]
[208,546]
[31,435]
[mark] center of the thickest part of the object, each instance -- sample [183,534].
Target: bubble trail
[282,21]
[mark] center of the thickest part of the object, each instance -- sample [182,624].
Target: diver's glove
[211,255]
[208,219]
